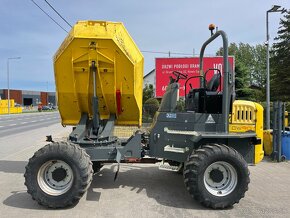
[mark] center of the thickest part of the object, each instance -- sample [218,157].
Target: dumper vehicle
[99,75]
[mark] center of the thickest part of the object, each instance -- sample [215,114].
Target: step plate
[167,167]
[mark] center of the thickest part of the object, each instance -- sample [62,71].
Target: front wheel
[216,175]
[58,174]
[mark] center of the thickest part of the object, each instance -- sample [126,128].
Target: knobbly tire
[216,175]
[58,174]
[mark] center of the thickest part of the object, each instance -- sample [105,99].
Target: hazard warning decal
[210,119]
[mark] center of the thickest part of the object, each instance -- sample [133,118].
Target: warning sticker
[210,119]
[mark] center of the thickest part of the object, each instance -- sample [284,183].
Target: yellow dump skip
[119,77]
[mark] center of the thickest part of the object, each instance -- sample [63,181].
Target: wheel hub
[55,177]
[220,178]
[59,174]
[216,175]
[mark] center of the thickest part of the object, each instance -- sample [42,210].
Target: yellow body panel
[248,116]
[119,68]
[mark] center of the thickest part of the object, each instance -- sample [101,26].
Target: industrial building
[28,98]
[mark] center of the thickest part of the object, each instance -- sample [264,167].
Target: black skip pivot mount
[96,122]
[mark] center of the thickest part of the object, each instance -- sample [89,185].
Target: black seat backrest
[202,101]
[214,83]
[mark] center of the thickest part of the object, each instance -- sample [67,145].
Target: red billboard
[190,66]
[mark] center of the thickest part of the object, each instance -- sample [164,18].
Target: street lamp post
[47,103]
[275,8]
[8,86]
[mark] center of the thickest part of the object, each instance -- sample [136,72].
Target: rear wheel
[58,174]
[216,175]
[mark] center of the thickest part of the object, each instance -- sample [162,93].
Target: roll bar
[226,74]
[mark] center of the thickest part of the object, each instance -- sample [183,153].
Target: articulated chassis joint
[104,147]
[84,134]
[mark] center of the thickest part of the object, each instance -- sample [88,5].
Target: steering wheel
[179,75]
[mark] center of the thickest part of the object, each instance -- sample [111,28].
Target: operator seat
[214,83]
[206,100]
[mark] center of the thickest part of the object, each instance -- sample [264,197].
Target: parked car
[46,108]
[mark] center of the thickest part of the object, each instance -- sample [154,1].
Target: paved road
[140,191]
[19,131]
[16,123]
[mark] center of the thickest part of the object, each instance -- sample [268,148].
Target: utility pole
[47,93]
[275,8]
[8,82]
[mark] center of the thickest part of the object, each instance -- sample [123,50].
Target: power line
[58,13]
[162,52]
[176,53]
[49,16]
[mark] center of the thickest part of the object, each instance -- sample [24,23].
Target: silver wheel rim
[220,178]
[55,177]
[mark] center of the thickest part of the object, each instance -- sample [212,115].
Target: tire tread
[192,168]
[84,167]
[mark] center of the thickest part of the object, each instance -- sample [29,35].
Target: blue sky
[160,25]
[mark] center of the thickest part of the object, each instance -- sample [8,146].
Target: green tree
[280,61]
[148,92]
[180,106]
[242,82]
[151,105]
[250,70]
[258,73]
